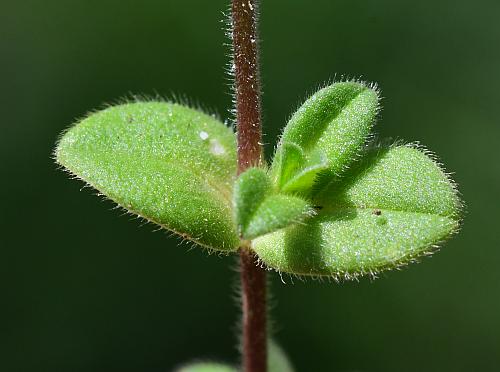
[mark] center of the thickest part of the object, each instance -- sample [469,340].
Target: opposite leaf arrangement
[330,204]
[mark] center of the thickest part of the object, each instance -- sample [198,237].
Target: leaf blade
[277,212]
[352,242]
[397,178]
[371,220]
[165,162]
[330,128]
[259,209]
[277,360]
[250,190]
[207,367]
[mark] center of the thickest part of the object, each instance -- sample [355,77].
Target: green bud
[260,209]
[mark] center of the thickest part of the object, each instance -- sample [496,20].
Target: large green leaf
[326,132]
[391,207]
[170,164]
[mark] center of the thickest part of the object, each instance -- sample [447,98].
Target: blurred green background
[84,288]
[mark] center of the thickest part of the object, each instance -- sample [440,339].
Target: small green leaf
[259,209]
[290,159]
[295,172]
[391,207]
[276,212]
[277,360]
[250,190]
[330,129]
[170,164]
[207,367]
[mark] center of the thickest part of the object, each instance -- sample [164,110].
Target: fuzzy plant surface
[331,202]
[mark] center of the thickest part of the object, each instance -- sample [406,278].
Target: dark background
[83,289]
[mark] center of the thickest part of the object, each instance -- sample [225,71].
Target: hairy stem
[248,116]
[247,82]
[253,288]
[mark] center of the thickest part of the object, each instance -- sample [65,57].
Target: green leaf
[277,360]
[401,178]
[329,129]
[297,172]
[170,164]
[391,207]
[250,190]
[259,209]
[290,159]
[276,212]
[207,367]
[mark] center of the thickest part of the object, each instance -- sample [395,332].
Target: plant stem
[253,289]
[248,117]
[247,82]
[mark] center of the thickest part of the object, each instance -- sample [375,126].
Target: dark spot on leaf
[318,207]
[130,119]
[377,212]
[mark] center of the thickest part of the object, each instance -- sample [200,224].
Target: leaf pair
[389,208]
[321,137]
[326,206]
[378,208]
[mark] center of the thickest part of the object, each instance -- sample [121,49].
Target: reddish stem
[247,82]
[253,288]
[248,116]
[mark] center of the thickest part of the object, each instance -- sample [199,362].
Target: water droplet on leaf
[203,135]
[216,148]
